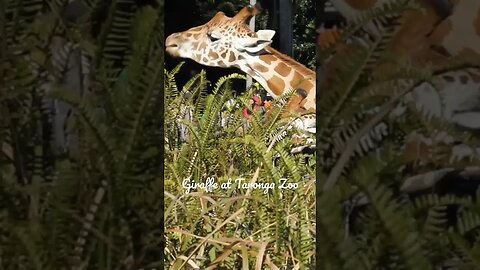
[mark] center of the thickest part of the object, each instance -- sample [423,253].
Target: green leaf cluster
[262,227]
[81,128]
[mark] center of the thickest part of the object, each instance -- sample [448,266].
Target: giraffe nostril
[170,42]
[172,46]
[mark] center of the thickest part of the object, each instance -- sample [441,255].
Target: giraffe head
[220,41]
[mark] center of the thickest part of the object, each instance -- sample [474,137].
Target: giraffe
[229,42]
[442,28]
[431,37]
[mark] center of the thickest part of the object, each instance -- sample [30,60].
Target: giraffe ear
[265,34]
[252,45]
[255,44]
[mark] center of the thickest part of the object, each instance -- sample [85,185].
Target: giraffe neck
[278,74]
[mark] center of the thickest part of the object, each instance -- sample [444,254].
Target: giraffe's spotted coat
[260,68]
[229,42]
[232,57]
[276,83]
[268,58]
[282,69]
[212,55]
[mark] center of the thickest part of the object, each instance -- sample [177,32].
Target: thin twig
[239,211]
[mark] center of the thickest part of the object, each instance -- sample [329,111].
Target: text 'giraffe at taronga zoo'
[229,42]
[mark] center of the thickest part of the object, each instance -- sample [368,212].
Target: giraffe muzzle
[172,46]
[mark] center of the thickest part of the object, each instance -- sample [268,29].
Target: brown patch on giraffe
[442,30]
[232,57]
[302,104]
[196,36]
[307,85]
[223,54]
[260,67]
[295,104]
[203,46]
[299,81]
[297,140]
[361,4]
[212,55]
[268,58]
[282,69]
[197,57]
[297,77]
[329,37]
[277,85]
[412,38]
[291,62]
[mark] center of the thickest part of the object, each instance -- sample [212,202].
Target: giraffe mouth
[172,49]
[171,46]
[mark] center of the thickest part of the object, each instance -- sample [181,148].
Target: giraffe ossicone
[229,42]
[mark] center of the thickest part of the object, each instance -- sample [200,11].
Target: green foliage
[263,228]
[92,203]
[304,32]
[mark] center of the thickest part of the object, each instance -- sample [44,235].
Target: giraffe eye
[212,37]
